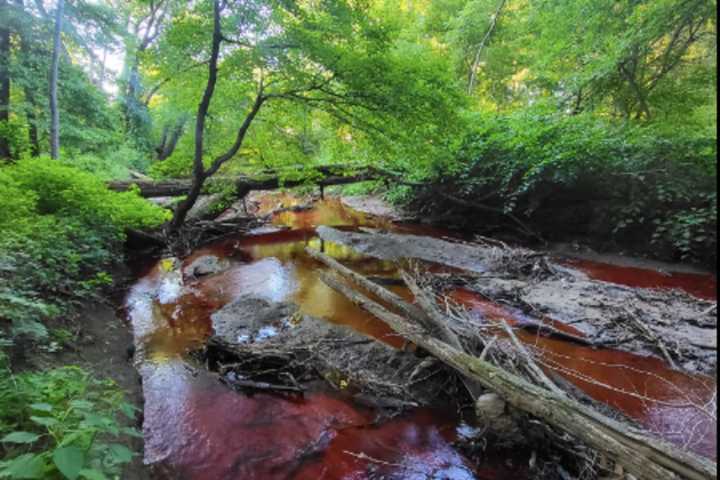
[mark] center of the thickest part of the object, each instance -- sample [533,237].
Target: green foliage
[14,132]
[114,164]
[62,424]
[636,180]
[344,84]
[66,191]
[61,227]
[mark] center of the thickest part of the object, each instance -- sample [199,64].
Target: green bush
[61,228]
[112,165]
[638,181]
[62,424]
[66,191]
[15,132]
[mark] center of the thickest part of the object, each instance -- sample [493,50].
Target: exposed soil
[104,347]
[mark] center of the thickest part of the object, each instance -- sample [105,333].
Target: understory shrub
[114,164]
[62,424]
[61,227]
[628,183]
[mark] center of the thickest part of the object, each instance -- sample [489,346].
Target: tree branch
[260,99]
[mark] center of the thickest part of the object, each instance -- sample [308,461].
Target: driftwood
[642,456]
[419,315]
[261,386]
[245,184]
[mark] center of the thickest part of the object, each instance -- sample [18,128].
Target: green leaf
[131,432]
[81,405]
[96,421]
[120,453]
[28,466]
[20,437]
[70,461]
[44,421]
[42,407]
[128,410]
[92,474]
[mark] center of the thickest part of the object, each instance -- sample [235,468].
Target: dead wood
[424,315]
[548,330]
[642,456]
[533,368]
[245,184]
[240,384]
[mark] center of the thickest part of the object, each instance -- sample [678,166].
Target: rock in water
[206,265]
[250,319]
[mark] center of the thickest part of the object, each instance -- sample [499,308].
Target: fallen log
[642,456]
[245,184]
[420,315]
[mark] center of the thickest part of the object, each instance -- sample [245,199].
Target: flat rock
[250,319]
[393,246]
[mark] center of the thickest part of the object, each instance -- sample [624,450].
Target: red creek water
[196,428]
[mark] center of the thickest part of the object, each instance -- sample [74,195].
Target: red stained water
[700,285]
[676,406]
[195,428]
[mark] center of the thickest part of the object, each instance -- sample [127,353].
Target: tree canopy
[403,85]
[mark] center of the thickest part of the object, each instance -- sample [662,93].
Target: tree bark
[32,107]
[424,315]
[244,185]
[644,457]
[54,69]
[4,76]
[170,139]
[199,174]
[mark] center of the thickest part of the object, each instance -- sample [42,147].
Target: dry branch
[424,316]
[536,371]
[644,457]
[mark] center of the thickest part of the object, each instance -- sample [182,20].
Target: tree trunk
[32,119]
[30,98]
[644,457]
[170,139]
[54,112]
[199,174]
[421,315]
[174,188]
[4,76]
[478,54]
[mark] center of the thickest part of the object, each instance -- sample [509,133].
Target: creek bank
[104,348]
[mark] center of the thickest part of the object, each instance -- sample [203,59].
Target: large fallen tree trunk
[246,184]
[642,456]
[439,328]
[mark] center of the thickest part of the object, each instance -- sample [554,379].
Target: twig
[535,371]
[653,338]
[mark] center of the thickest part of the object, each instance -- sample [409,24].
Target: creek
[196,428]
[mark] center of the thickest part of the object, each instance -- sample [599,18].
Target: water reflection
[674,405]
[195,428]
[200,430]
